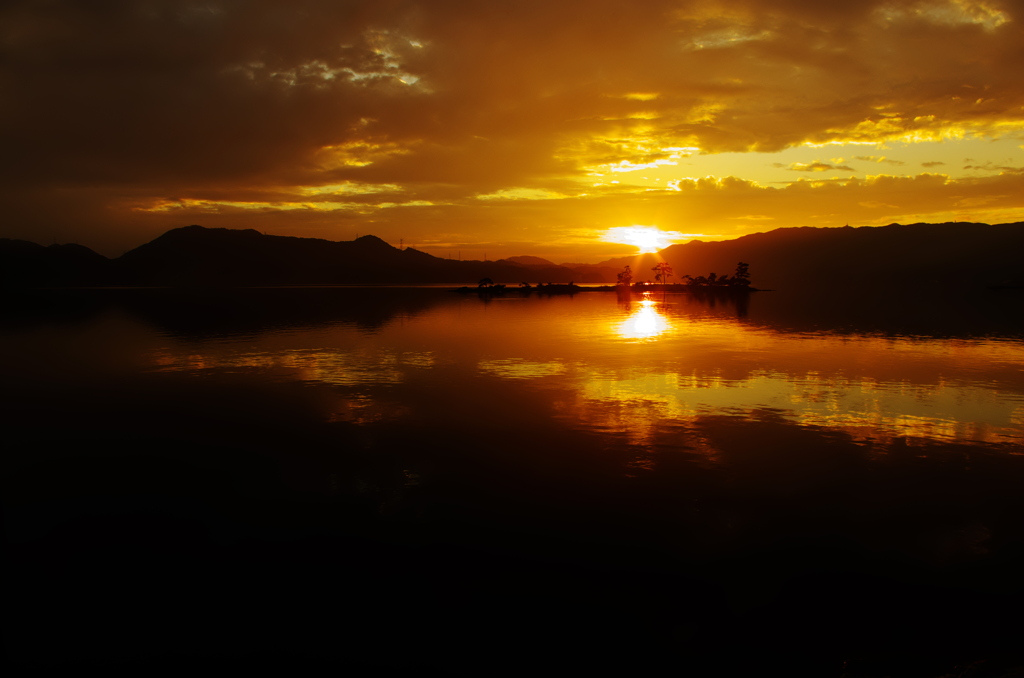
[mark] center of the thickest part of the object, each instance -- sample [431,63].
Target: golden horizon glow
[647,239]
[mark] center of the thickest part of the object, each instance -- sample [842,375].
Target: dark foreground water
[354,480]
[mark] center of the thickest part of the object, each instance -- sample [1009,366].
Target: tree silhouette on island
[662,272]
[740,280]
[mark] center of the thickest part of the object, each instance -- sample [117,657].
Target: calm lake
[388,477]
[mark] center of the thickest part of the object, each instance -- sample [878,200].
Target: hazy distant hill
[530,261]
[914,255]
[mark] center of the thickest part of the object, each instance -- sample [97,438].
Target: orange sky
[506,128]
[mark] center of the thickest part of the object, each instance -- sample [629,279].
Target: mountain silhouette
[918,255]
[195,255]
[967,255]
[530,261]
[24,263]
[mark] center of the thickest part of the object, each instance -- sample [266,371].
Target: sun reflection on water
[646,322]
[625,370]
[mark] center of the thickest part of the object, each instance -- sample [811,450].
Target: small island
[739,282]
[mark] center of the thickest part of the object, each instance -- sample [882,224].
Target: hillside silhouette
[24,263]
[919,255]
[198,256]
[215,256]
[966,255]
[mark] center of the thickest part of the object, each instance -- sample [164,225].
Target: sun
[647,238]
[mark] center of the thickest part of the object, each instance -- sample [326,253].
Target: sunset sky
[506,128]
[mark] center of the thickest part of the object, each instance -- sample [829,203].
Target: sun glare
[646,238]
[645,323]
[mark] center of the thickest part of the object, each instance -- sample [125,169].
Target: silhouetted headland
[948,256]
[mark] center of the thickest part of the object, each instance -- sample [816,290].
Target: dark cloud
[167,91]
[880,159]
[993,167]
[813,167]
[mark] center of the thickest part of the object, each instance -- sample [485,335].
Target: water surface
[468,482]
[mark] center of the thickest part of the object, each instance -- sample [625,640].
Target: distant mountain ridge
[530,261]
[945,255]
[199,256]
[953,254]
[24,263]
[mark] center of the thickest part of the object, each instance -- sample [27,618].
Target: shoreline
[574,289]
